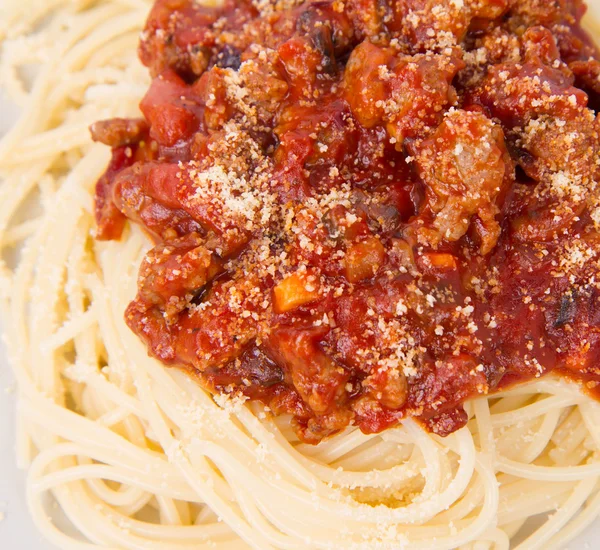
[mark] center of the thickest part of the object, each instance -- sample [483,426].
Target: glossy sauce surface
[364,210]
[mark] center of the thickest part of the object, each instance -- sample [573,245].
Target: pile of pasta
[137,455]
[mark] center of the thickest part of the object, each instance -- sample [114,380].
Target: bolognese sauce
[364,210]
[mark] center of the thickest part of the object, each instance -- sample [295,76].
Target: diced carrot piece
[364,259]
[439,261]
[296,290]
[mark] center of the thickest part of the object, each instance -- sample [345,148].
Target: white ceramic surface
[17,531]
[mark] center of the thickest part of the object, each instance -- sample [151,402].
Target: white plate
[17,531]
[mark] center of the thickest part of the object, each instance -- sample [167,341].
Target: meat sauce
[364,210]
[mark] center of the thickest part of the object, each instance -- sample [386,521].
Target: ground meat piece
[563,157]
[447,422]
[174,271]
[562,146]
[328,29]
[314,375]
[499,46]
[265,87]
[319,138]
[488,48]
[181,34]
[317,378]
[435,25]
[465,167]
[146,193]
[211,89]
[419,85]
[304,66]
[587,75]
[542,12]
[253,91]
[117,132]
[514,92]
[539,46]
[198,336]
[110,221]
[453,380]
[407,93]
[388,387]
[368,17]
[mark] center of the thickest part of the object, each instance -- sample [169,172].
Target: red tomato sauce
[364,211]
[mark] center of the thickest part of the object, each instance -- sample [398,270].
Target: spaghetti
[139,456]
